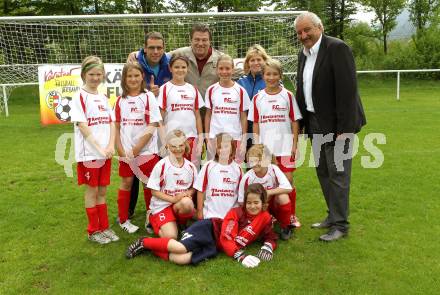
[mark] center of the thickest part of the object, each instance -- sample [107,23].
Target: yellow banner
[58,84]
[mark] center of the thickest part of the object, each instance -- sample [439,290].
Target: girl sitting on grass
[202,240]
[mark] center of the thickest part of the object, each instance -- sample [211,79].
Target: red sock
[92,215]
[163,255]
[103,217]
[183,218]
[292,197]
[147,197]
[283,214]
[156,244]
[123,204]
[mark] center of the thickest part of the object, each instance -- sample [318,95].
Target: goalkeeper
[203,239]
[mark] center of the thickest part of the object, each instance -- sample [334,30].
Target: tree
[190,6]
[15,8]
[422,12]
[150,6]
[315,6]
[386,12]
[337,15]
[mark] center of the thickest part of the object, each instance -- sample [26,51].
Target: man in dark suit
[332,112]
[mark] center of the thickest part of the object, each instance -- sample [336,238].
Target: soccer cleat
[295,221]
[99,238]
[135,249]
[110,234]
[129,227]
[286,233]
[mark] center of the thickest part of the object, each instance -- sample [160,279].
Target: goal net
[27,42]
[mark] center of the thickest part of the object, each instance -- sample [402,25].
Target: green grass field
[393,247]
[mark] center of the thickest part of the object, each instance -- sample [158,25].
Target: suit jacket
[335,96]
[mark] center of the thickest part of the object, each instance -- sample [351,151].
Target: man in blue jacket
[154,62]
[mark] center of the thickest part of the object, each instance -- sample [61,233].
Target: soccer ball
[62,110]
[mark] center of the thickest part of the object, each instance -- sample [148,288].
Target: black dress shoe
[333,235]
[322,224]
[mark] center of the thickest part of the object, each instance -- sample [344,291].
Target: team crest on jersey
[185,97]
[182,182]
[229,100]
[277,107]
[249,229]
[135,110]
[228,180]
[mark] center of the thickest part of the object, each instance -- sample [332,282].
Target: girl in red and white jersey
[137,117]
[171,183]
[275,115]
[94,148]
[226,105]
[218,180]
[180,104]
[203,239]
[274,181]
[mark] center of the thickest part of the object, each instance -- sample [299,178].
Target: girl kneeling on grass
[171,183]
[137,118]
[218,180]
[94,148]
[203,239]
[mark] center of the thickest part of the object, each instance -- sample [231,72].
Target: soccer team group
[161,126]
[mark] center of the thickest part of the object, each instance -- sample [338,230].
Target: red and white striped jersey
[226,104]
[170,180]
[135,113]
[274,178]
[274,113]
[180,102]
[94,110]
[220,185]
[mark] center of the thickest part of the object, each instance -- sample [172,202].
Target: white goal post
[27,42]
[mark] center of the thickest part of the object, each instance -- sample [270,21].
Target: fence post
[398,85]
[5,101]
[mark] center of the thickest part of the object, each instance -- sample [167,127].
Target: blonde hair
[273,64]
[259,151]
[91,62]
[225,137]
[127,67]
[253,51]
[225,57]
[177,133]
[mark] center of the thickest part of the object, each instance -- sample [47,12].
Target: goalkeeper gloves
[248,261]
[266,252]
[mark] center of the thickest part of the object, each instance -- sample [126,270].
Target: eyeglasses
[158,48]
